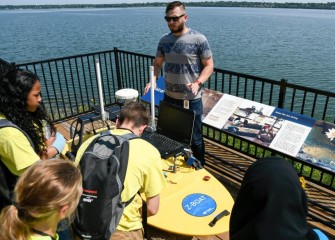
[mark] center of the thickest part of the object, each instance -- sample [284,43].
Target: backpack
[103,166]
[8,179]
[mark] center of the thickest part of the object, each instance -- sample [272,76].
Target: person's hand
[54,145]
[50,141]
[147,87]
[194,87]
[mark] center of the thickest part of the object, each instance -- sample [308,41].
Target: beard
[179,29]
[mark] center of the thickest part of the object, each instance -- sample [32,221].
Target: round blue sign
[199,205]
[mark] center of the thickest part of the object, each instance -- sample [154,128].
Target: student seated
[271,204]
[144,173]
[45,194]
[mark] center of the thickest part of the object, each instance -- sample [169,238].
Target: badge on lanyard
[186,104]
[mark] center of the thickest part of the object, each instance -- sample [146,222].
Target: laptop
[174,130]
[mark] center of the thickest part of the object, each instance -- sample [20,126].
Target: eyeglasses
[175,19]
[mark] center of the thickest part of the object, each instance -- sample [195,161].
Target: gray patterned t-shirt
[183,55]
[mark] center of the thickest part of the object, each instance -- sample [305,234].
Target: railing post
[282,93]
[117,68]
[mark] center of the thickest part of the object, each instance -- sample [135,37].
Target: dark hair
[5,67]
[135,112]
[270,192]
[15,86]
[173,5]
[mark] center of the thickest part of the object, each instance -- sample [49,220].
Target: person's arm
[157,63]
[55,145]
[17,152]
[206,72]
[152,205]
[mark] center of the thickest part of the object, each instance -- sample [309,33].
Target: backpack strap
[144,217]
[7,178]
[7,123]
[127,136]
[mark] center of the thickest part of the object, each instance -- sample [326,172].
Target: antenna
[104,115]
[152,95]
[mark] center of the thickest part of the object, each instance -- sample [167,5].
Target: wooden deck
[229,166]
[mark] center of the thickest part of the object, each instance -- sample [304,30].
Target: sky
[42,2]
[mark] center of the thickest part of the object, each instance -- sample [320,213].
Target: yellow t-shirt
[16,151]
[42,237]
[144,173]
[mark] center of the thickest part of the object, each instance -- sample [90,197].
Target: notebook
[174,130]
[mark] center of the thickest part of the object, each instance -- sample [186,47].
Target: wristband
[59,142]
[198,82]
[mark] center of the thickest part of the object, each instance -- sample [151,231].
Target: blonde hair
[40,192]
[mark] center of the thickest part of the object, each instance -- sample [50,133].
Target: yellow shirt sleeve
[15,150]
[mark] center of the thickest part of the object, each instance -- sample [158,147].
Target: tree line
[329,5]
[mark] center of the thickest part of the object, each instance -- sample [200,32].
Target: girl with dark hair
[21,103]
[45,194]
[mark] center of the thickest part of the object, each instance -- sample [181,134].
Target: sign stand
[152,100]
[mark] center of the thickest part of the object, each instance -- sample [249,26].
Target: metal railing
[69,88]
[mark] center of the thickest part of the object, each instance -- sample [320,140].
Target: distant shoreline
[325,6]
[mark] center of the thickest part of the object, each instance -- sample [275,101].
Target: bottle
[46,129]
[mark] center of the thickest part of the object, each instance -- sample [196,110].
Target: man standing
[144,171]
[188,65]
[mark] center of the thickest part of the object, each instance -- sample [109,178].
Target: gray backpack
[103,166]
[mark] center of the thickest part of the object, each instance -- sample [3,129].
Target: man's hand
[147,87]
[157,64]
[194,87]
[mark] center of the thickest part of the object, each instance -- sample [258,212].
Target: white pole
[152,93]
[104,115]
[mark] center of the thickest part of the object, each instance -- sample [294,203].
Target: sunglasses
[175,19]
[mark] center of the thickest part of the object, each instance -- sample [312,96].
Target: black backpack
[8,179]
[103,166]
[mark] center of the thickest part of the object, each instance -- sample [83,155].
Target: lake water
[295,44]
